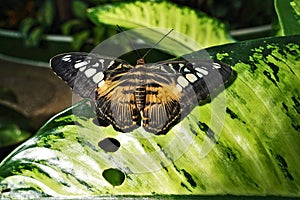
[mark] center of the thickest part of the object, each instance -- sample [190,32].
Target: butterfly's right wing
[100,79]
[178,87]
[199,78]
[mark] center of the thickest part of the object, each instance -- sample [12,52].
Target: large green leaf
[288,12]
[257,152]
[203,29]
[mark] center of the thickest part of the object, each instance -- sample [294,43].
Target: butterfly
[155,96]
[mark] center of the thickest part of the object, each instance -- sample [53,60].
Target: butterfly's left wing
[100,79]
[84,71]
[179,86]
[116,101]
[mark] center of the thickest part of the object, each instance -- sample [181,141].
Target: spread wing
[172,88]
[116,103]
[162,108]
[84,72]
[176,88]
[203,77]
[100,79]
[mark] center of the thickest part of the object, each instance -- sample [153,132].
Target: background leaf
[46,16]
[67,27]
[79,9]
[257,152]
[79,38]
[35,36]
[288,12]
[26,25]
[203,29]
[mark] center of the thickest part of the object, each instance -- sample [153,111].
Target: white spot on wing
[179,87]
[216,65]
[191,77]
[181,65]
[199,75]
[202,71]
[101,83]
[182,81]
[110,64]
[67,58]
[82,69]
[186,70]
[95,65]
[80,64]
[90,72]
[98,77]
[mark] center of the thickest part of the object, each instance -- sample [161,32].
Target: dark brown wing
[162,108]
[174,88]
[83,72]
[100,79]
[116,103]
[203,77]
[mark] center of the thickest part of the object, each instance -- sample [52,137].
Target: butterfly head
[140,61]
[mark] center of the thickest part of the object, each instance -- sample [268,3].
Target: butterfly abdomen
[140,96]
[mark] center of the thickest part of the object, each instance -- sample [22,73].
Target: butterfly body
[154,96]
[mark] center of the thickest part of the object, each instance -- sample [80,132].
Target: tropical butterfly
[155,96]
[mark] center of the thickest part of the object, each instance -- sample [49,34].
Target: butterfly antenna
[157,43]
[131,44]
